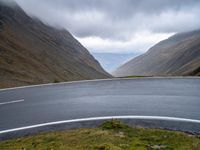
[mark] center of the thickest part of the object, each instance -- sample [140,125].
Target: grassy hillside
[34,53]
[178,55]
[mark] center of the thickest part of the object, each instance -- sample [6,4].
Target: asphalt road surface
[165,97]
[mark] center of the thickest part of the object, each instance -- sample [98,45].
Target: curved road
[166,97]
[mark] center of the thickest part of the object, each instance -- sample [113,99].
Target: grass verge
[111,135]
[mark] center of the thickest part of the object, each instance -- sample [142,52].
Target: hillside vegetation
[178,55]
[111,135]
[34,53]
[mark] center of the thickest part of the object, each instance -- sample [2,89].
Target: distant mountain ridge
[110,61]
[178,55]
[34,53]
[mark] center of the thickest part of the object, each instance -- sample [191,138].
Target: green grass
[111,135]
[55,81]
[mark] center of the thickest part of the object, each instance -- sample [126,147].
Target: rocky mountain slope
[34,53]
[175,56]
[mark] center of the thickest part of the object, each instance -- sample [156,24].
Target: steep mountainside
[177,55]
[34,53]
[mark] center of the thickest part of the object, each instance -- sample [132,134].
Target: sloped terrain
[34,53]
[175,56]
[110,135]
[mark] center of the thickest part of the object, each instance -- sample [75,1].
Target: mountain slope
[34,53]
[177,55]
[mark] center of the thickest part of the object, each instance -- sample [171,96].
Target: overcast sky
[118,26]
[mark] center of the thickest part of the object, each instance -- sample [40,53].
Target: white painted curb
[102,118]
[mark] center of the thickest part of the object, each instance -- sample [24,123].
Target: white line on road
[10,102]
[102,118]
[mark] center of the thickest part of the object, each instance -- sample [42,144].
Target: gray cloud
[117,25]
[8,2]
[116,19]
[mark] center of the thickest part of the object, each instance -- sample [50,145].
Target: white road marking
[10,102]
[102,118]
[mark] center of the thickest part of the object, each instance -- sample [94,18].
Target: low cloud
[140,42]
[114,25]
